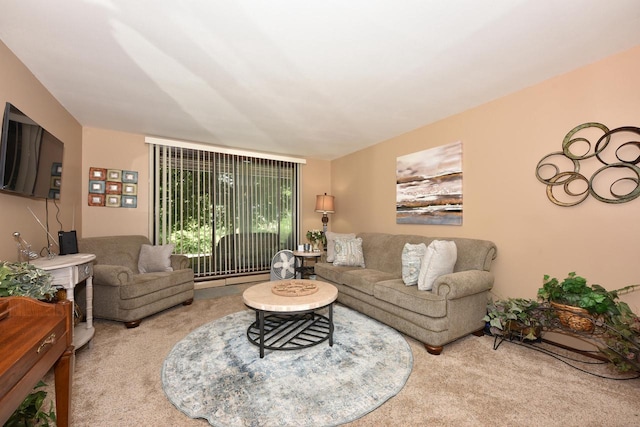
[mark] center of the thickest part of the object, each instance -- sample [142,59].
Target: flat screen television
[30,157]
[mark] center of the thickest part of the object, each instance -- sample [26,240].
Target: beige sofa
[121,292]
[452,309]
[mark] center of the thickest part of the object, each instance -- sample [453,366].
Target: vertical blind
[228,213]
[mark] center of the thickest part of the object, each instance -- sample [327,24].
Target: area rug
[216,374]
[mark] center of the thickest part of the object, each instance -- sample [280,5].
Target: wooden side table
[301,268]
[35,336]
[67,272]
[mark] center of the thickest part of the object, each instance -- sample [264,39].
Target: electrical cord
[565,359]
[55,203]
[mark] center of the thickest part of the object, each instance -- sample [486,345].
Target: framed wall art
[113,188]
[429,186]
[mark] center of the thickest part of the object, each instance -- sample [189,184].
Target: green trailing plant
[515,315]
[30,413]
[23,279]
[575,291]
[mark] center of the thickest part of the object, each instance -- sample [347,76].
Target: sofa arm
[179,262]
[463,283]
[112,275]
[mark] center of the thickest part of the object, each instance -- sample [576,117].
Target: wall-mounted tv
[30,157]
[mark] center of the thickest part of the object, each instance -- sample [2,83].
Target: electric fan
[283,266]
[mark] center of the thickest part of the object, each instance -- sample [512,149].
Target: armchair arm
[179,262]
[112,275]
[463,283]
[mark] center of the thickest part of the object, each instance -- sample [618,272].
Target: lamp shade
[324,203]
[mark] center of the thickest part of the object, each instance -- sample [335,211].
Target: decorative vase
[315,246]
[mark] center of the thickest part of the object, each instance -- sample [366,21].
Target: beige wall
[316,179]
[22,89]
[115,150]
[503,201]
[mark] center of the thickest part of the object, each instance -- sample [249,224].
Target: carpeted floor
[216,373]
[117,381]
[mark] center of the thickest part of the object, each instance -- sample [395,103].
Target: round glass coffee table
[290,322]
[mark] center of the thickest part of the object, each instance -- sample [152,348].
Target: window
[229,213]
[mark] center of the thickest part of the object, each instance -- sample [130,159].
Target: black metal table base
[291,330]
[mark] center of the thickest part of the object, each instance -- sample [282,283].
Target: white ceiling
[316,79]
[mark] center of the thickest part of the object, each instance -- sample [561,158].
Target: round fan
[283,266]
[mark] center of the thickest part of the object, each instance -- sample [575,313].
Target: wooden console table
[34,336]
[68,271]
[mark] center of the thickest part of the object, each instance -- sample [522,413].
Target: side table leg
[261,326]
[331,325]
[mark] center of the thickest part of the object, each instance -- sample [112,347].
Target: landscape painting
[429,186]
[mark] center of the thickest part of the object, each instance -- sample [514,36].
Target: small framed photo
[56,169]
[129,201]
[112,201]
[96,199]
[114,175]
[130,189]
[130,177]
[97,187]
[114,187]
[56,182]
[97,174]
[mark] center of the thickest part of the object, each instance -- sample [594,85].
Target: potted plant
[515,316]
[23,279]
[578,304]
[315,237]
[614,328]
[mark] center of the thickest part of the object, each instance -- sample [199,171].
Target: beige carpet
[117,381]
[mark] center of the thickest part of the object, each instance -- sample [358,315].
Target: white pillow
[331,242]
[155,258]
[349,252]
[439,259]
[411,260]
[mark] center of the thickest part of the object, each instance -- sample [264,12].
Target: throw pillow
[155,258]
[349,252]
[412,256]
[439,259]
[331,242]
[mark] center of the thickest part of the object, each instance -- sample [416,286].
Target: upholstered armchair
[133,279]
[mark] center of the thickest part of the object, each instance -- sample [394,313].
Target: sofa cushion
[439,259]
[411,298]
[412,256]
[148,283]
[331,272]
[331,242]
[155,258]
[364,279]
[349,252]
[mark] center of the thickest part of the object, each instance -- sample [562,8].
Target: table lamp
[324,204]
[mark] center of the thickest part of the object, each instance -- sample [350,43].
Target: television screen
[30,157]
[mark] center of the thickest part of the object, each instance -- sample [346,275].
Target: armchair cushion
[155,258]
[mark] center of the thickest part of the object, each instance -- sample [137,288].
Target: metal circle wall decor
[616,152]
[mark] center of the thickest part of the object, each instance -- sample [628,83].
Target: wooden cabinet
[34,336]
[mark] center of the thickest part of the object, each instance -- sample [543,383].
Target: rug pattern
[216,374]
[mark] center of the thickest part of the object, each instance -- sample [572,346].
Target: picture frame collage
[56,181]
[113,188]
